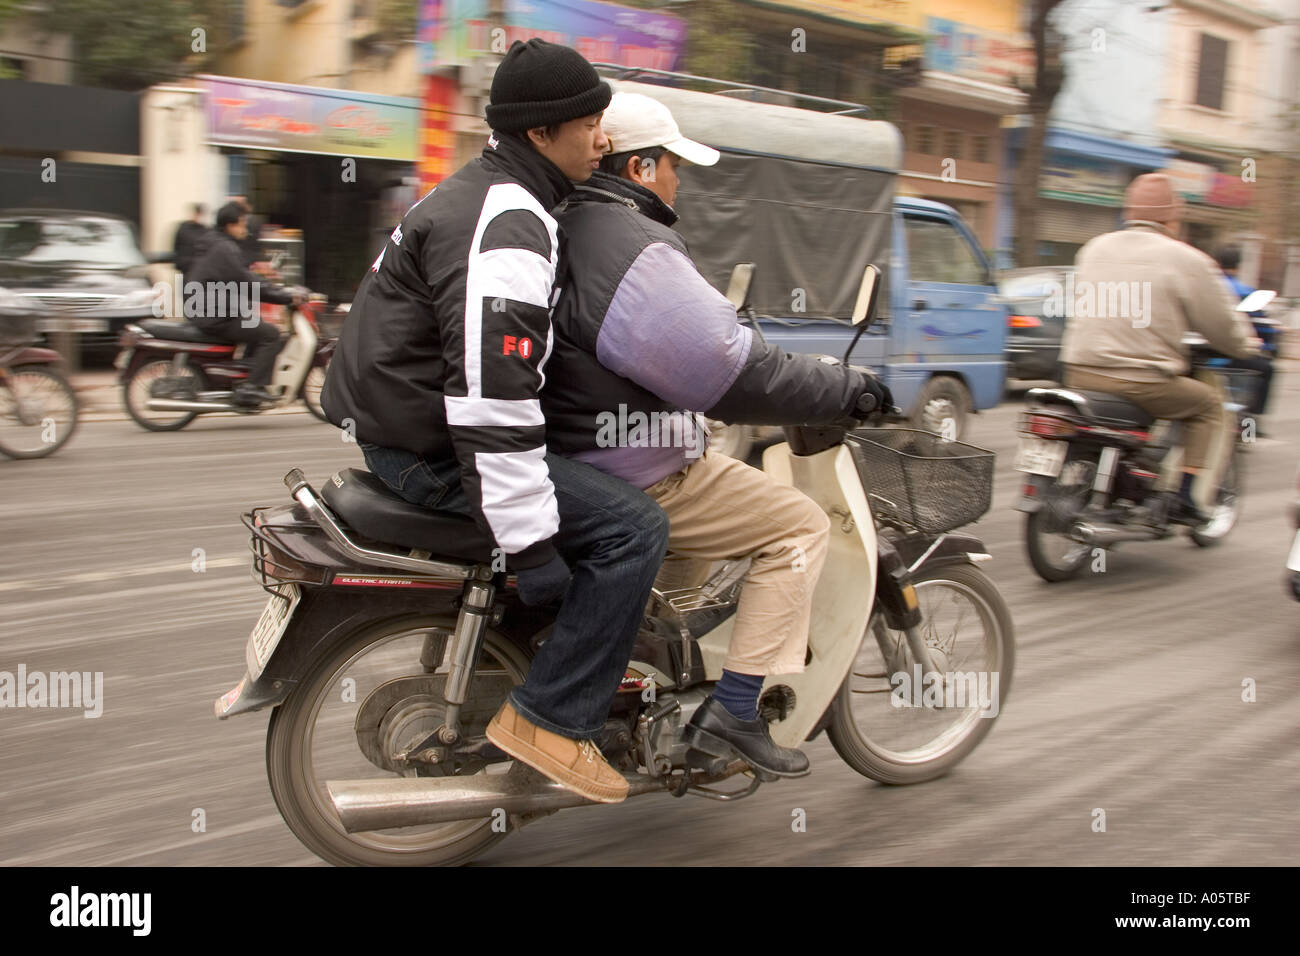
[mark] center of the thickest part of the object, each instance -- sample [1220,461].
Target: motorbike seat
[180,332]
[1106,408]
[366,505]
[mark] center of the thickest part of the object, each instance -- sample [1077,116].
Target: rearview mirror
[864,309]
[738,289]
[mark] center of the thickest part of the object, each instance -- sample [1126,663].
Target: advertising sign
[454,32]
[978,54]
[305,119]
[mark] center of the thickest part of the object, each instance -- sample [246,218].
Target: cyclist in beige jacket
[1138,291]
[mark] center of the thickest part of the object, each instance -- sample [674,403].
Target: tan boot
[577,765]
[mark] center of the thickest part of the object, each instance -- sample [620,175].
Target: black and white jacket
[443,350]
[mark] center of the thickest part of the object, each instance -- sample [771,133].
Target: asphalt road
[1127,694]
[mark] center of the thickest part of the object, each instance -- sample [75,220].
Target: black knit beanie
[542,84]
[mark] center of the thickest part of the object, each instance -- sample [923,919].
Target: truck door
[948,323]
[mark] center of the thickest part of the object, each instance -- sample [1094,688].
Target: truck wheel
[943,407]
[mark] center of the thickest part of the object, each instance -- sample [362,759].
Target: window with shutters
[952,144]
[1211,72]
[925,139]
[981,148]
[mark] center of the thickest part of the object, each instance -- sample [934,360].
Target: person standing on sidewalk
[189,242]
[438,370]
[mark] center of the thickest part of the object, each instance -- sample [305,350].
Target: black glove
[544,583]
[874,396]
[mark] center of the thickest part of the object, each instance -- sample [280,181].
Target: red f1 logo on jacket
[523,346]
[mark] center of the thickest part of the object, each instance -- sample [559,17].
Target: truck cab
[808,197]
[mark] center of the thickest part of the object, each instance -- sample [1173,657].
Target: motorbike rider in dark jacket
[227,307]
[438,371]
[643,342]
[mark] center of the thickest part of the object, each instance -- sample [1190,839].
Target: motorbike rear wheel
[898,744]
[1056,556]
[158,377]
[312,737]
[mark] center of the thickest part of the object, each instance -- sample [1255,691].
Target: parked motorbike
[38,408]
[384,662]
[1100,471]
[172,372]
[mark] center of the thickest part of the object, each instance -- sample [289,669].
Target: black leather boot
[251,396]
[715,732]
[1182,511]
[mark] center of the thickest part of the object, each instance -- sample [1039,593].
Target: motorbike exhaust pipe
[1106,535]
[417,801]
[182,405]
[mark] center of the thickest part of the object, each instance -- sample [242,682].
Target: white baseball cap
[635,121]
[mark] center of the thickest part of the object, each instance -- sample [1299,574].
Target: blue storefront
[1081,190]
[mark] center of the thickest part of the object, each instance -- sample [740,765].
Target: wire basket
[18,330]
[1240,384]
[920,480]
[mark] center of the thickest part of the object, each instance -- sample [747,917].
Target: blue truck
[808,197]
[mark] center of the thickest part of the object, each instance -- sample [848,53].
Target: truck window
[937,252]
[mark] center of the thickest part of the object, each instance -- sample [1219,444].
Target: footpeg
[708,763]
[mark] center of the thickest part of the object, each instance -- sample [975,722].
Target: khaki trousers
[1179,398]
[722,509]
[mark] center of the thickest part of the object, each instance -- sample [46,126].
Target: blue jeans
[613,537]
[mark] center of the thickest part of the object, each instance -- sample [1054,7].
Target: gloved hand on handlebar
[543,584]
[874,397]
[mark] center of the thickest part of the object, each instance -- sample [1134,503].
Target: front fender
[34,355]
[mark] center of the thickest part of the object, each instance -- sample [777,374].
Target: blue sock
[1185,492]
[738,693]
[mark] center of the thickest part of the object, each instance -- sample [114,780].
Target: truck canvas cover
[806,196]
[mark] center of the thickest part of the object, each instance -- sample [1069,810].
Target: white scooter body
[294,361]
[842,603]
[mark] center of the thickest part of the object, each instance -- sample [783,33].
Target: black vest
[607,222]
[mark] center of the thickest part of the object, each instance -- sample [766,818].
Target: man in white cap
[642,344]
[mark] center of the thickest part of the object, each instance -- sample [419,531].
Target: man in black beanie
[437,375]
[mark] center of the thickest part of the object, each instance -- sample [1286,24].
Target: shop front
[326,172]
[1081,189]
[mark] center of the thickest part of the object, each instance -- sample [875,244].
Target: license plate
[123,357]
[1040,457]
[1293,559]
[72,325]
[269,629]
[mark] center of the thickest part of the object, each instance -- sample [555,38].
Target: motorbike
[172,372]
[38,407]
[1100,471]
[384,662]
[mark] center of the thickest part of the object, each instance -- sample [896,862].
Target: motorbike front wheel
[316,735]
[38,411]
[310,391]
[1226,508]
[890,727]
